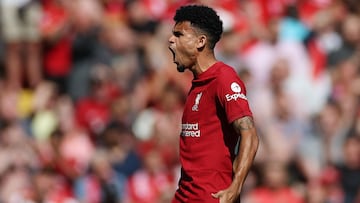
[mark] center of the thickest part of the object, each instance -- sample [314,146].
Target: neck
[203,63]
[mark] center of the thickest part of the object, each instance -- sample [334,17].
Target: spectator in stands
[56,32]
[275,186]
[350,169]
[20,30]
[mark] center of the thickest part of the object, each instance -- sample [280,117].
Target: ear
[201,41]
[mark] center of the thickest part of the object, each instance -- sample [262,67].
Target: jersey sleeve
[231,93]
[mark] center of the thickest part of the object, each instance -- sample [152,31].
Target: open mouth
[179,67]
[173,53]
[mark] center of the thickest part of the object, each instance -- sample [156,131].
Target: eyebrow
[177,33]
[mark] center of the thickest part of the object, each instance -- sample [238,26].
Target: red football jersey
[208,141]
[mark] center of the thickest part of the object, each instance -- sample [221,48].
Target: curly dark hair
[204,18]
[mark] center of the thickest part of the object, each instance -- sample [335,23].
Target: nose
[171,39]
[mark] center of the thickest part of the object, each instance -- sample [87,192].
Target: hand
[226,196]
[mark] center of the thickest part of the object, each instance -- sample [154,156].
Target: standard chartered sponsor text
[190,130]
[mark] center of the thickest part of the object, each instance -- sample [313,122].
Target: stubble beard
[180,68]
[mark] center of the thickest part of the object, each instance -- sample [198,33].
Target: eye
[177,34]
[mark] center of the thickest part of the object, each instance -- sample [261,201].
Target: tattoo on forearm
[245,123]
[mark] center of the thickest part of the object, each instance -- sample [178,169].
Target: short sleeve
[231,93]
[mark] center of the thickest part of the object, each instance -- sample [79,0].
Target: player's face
[182,44]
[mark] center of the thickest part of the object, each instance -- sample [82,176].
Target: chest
[200,105]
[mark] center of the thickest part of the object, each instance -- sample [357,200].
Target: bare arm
[245,128]
[247,149]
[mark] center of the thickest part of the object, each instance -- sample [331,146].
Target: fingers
[216,195]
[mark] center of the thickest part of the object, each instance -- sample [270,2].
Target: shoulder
[225,73]
[225,70]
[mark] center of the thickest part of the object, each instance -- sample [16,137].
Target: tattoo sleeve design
[242,124]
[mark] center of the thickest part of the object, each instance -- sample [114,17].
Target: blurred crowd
[91,102]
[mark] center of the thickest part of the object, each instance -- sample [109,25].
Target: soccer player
[218,140]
